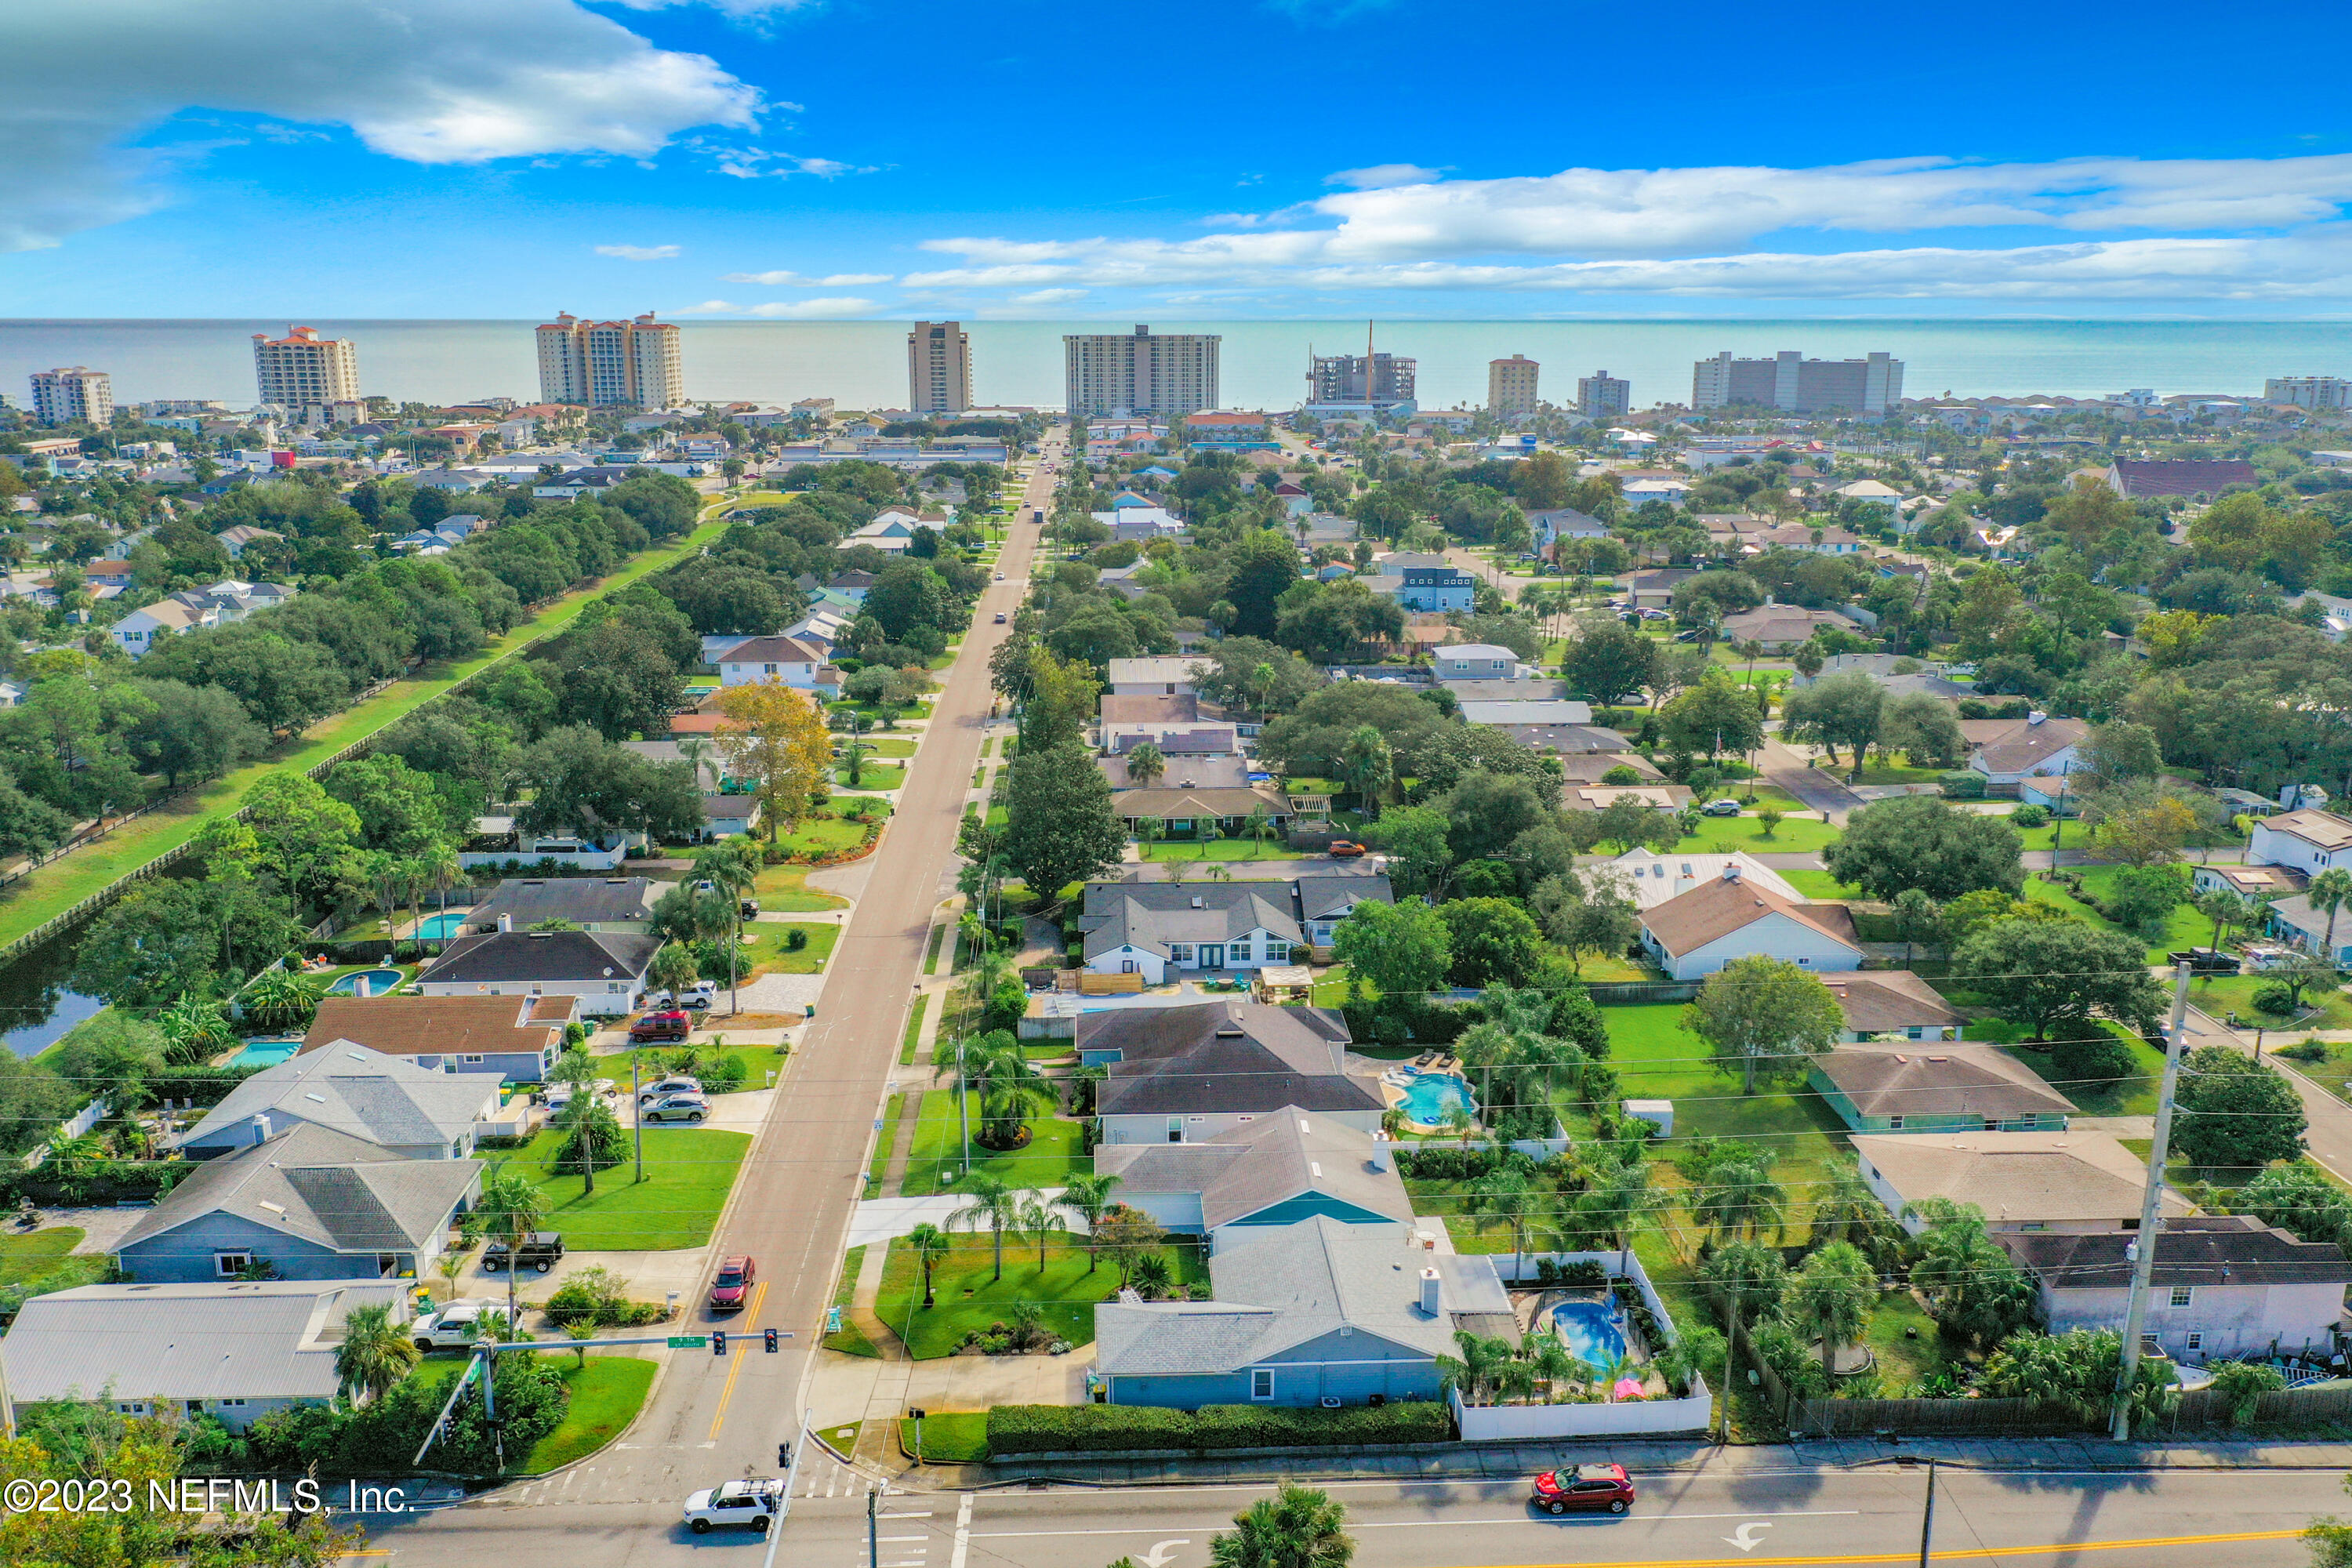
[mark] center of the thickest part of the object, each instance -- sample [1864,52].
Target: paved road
[712,1417]
[1720,1514]
[2328,1139]
[1793,771]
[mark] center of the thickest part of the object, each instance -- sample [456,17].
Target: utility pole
[873,1544]
[1928,1520]
[964,1106]
[2151,1205]
[638,1120]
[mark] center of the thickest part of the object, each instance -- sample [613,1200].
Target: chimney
[506,922]
[1731,870]
[260,1128]
[2037,717]
[1379,1156]
[1431,1292]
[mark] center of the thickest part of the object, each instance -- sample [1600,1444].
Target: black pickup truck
[541,1250]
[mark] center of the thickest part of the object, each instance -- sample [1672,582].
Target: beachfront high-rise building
[1511,386]
[1792,383]
[1381,381]
[2309,391]
[634,362]
[938,368]
[78,393]
[1601,394]
[303,369]
[1164,373]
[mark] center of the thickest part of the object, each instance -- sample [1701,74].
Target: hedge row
[1108,1429]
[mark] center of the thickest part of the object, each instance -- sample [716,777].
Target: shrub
[1584,1274]
[796,940]
[1964,785]
[2030,816]
[1110,1428]
[2274,997]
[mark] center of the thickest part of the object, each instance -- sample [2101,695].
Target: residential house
[1564,523]
[2263,882]
[2308,840]
[1782,626]
[936,518]
[515,1037]
[1150,928]
[2008,751]
[312,1203]
[1324,901]
[387,1100]
[2224,1287]
[1532,710]
[236,538]
[1177,725]
[730,806]
[785,658]
[1698,933]
[1953,1088]
[1656,795]
[893,535]
[1295,502]
[2073,1182]
[606,971]
[1651,879]
[1317,1313]
[1154,675]
[1566,740]
[588,481]
[1810,539]
[1139,524]
[1274,1170]
[1480,661]
[1191,1073]
[1640,489]
[141,629]
[590,903]
[1581,771]
[1420,582]
[1184,806]
[1879,1003]
[236,1350]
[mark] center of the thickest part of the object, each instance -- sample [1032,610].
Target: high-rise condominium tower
[938,368]
[636,363]
[302,368]
[1789,381]
[1511,386]
[1166,374]
[63,396]
[1601,394]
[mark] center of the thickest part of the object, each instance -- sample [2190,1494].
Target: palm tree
[1616,1201]
[1835,1289]
[1739,1198]
[2330,890]
[1504,1197]
[731,869]
[1260,824]
[1472,1374]
[994,1205]
[1297,1528]
[853,758]
[930,1244]
[1037,1219]
[194,1028]
[1368,766]
[1551,1364]
[1087,1196]
[1145,764]
[1847,1210]
[376,1354]
[1009,1086]
[1262,681]
[511,1206]
[574,1068]
[281,999]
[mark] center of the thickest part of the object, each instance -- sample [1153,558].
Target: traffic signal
[772,1338]
[719,1342]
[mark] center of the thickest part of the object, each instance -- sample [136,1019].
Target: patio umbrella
[1628,1388]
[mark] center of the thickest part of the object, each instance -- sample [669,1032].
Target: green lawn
[689,1171]
[889,746]
[761,1064]
[914,1029]
[1724,835]
[2132,1095]
[56,888]
[1817,884]
[2184,929]
[880,1163]
[947,1436]
[875,775]
[1891,773]
[773,957]
[608,1392]
[1220,849]
[821,835]
[2218,995]
[968,1296]
[25,1259]
[936,1162]
[851,1340]
[786,890]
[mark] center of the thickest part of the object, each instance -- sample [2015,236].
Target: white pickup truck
[453,1327]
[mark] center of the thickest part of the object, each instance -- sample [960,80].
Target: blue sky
[1234,159]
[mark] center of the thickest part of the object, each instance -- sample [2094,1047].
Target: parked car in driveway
[1576,1488]
[453,1327]
[1726,807]
[676,1083]
[731,1287]
[2206,961]
[542,1249]
[1345,849]
[688,1107]
[666,1025]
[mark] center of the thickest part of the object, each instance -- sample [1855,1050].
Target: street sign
[687,1341]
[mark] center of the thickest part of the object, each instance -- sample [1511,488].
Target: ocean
[863,363]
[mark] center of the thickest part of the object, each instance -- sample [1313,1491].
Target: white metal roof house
[233,1350]
[389,1101]
[1162,675]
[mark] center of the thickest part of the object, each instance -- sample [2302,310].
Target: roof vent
[534,935]
[1314,1169]
[1196,901]
[273,1208]
[1731,870]
[1230,1033]
[2037,717]
[319,1098]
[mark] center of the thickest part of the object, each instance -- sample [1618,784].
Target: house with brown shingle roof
[515,1037]
[1893,1002]
[2075,1182]
[2025,748]
[1699,932]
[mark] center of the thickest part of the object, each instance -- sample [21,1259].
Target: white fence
[1505,1423]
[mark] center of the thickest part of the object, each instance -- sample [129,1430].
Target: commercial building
[1366,382]
[938,368]
[64,396]
[1601,394]
[1143,372]
[1511,386]
[1790,381]
[2309,391]
[303,368]
[637,362]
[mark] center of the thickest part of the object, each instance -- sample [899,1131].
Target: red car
[1345,849]
[733,1287]
[1583,1487]
[670,1026]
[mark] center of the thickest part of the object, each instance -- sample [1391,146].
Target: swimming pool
[1430,1095]
[366,983]
[264,1053]
[442,927]
[1591,1330]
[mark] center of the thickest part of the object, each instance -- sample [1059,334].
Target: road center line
[751,1323]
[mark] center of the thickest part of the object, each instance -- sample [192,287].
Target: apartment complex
[2309,391]
[1601,394]
[303,369]
[1164,374]
[63,396]
[1790,381]
[1511,386]
[1380,381]
[938,368]
[636,363]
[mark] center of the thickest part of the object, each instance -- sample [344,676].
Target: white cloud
[1380,176]
[736,8]
[432,81]
[638,252]
[1049,296]
[758,162]
[824,309]
[795,280]
[2256,228]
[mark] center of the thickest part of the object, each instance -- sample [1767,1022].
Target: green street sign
[689,1342]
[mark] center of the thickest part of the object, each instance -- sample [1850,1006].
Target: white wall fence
[1505,1423]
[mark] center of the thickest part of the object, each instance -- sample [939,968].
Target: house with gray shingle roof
[386,1101]
[1306,1312]
[1150,928]
[1197,1073]
[1272,1170]
[314,1203]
